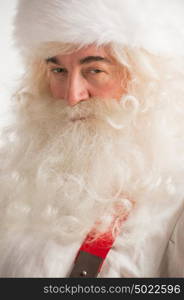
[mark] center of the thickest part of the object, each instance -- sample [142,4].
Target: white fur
[155,25]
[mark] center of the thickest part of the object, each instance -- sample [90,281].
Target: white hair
[61,177]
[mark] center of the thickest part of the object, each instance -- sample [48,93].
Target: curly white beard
[69,168]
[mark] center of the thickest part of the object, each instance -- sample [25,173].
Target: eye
[59,70]
[96,71]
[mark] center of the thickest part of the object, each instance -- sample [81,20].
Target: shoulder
[174,255]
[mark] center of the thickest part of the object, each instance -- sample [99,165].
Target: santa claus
[92,164]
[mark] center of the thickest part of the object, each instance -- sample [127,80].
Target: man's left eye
[96,71]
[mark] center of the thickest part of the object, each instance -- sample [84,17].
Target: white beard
[69,168]
[68,165]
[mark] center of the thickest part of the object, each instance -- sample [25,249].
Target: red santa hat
[155,25]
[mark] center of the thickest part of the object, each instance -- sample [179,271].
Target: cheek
[55,88]
[112,89]
[116,87]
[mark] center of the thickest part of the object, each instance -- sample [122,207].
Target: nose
[76,89]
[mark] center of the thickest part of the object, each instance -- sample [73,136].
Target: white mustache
[93,112]
[109,112]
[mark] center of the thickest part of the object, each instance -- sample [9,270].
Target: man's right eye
[58,70]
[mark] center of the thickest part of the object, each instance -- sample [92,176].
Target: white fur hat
[155,25]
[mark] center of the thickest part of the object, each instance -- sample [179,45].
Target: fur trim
[155,25]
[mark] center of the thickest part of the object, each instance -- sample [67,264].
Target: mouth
[74,119]
[78,119]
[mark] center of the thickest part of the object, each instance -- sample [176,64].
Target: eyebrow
[89,59]
[52,60]
[85,60]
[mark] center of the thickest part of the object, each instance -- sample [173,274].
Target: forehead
[101,53]
[92,50]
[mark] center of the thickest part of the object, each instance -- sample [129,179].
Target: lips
[74,119]
[78,119]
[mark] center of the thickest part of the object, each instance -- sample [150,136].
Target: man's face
[90,72]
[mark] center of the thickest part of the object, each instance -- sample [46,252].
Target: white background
[10,65]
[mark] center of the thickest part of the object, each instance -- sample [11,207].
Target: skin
[86,73]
